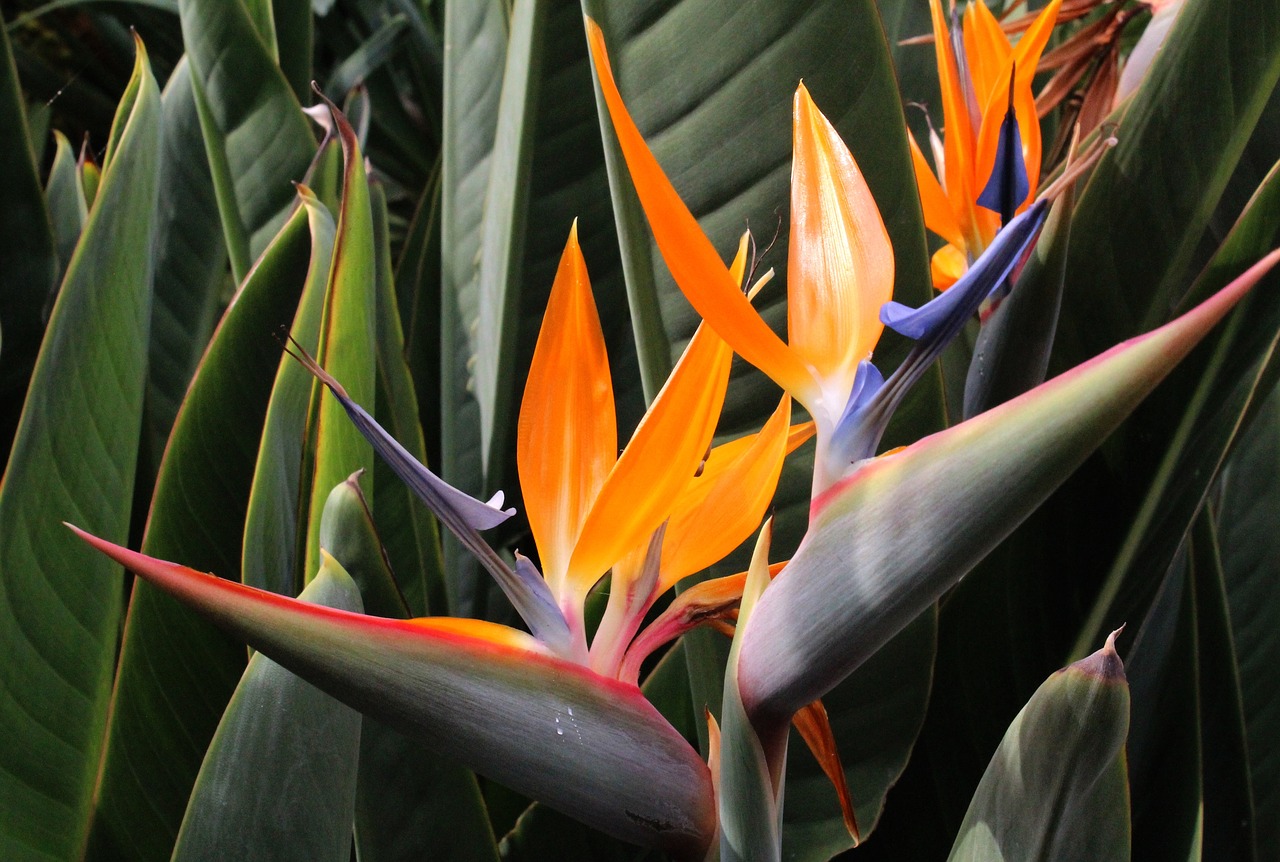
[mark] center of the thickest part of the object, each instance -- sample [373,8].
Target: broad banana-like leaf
[175,671]
[74,456]
[255,133]
[190,260]
[475,45]
[488,696]
[1055,790]
[1199,411]
[279,780]
[1141,215]
[886,542]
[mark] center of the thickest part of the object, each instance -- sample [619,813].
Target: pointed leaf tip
[1105,664]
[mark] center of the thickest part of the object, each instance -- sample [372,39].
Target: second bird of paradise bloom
[988,160]
[840,275]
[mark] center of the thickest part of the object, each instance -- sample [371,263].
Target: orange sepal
[946,266]
[694,264]
[939,217]
[958,142]
[840,264]
[987,50]
[815,729]
[567,440]
[663,455]
[724,505]
[1024,57]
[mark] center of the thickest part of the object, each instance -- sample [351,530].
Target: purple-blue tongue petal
[937,321]
[1008,185]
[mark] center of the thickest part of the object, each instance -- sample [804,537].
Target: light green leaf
[273,548]
[176,671]
[279,781]
[64,194]
[1056,789]
[751,757]
[410,532]
[346,349]
[73,457]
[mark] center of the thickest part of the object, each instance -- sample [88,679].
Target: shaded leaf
[73,457]
[177,671]
[279,780]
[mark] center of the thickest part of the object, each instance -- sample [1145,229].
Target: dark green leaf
[256,136]
[1250,500]
[190,260]
[1056,788]
[1198,412]
[279,781]
[73,458]
[1142,213]
[28,257]
[176,671]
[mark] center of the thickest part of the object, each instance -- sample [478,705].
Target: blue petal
[866,385]
[933,326]
[462,514]
[447,502]
[942,317]
[1008,185]
[542,614]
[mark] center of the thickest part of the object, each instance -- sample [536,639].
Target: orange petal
[693,262]
[938,215]
[661,458]
[955,114]
[815,730]
[724,505]
[947,265]
[567,440]
[986,49]
[840,264]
